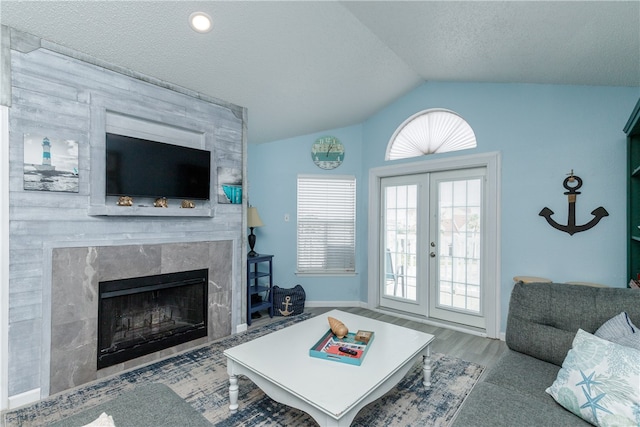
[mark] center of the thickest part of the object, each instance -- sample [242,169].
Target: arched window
[430,131]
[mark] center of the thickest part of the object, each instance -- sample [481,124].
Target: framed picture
[50,164]
[230,185]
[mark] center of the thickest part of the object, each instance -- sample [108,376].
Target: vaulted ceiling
[306,66]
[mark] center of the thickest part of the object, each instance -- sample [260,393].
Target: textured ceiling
[305,66]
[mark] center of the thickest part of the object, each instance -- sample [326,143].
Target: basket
[288,302]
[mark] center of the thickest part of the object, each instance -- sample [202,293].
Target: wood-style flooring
[472,348]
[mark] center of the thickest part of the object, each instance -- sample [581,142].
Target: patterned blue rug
[200,377]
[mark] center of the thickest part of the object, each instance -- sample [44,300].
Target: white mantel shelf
[103,210]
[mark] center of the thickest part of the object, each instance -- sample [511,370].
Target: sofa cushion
[513,393]
[513,371]
[600,382]
[151,404]
[544,317]
[489,405]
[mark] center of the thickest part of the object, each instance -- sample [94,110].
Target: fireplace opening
[142,315]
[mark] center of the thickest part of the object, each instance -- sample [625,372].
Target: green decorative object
[632,129]
[327,152]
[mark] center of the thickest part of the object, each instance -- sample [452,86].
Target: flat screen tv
[138,167]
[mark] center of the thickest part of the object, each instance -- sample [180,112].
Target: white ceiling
[305,66]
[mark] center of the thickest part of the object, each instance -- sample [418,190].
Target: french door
[432,227]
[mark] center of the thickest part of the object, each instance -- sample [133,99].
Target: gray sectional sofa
[543,320]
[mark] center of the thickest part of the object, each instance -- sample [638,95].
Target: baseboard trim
[25,398]
[241,328]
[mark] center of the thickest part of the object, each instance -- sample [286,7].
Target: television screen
[141,168]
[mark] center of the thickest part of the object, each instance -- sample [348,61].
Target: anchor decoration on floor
[572,194]
[287,302]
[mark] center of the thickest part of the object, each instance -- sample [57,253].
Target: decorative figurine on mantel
[125,201]
[187,204]
[161,202]
[337,327]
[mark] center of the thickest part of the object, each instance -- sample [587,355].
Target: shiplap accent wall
[66,95]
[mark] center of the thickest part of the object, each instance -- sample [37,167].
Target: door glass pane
[400,212]
[459,244]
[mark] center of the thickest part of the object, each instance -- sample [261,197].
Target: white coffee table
[331,392]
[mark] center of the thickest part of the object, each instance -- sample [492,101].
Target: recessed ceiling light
[200,22]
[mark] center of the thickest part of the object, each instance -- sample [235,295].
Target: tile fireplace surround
[76,272]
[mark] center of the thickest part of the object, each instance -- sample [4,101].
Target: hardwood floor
[472,348]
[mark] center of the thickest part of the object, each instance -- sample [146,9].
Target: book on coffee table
[348,349]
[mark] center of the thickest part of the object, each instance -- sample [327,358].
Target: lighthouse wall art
[50,164]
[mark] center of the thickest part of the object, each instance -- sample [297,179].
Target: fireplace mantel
[148,210]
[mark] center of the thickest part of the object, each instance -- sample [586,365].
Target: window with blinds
[326,224]
[431,131]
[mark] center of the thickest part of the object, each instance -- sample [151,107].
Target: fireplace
[142,315]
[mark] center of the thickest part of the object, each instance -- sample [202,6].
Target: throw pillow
[620,330]
[616,327]
[600,382]
[631,340]
[103,420]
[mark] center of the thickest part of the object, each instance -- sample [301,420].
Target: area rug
[199,376]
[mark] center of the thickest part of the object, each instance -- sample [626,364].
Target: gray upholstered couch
[542,322]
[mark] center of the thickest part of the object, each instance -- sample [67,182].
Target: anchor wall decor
[572,194]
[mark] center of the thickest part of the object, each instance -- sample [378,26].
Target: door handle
[432,254]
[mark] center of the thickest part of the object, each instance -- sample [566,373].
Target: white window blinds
[326,224]
[431,131]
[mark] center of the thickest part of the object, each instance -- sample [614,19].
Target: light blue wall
[273,170]
[542,132]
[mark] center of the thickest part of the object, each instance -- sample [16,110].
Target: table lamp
[253,220]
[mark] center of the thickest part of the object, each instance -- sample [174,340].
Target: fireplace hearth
[142,315]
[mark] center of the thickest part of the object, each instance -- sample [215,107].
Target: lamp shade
[253,218]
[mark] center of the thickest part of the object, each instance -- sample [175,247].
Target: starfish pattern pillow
[600,382]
